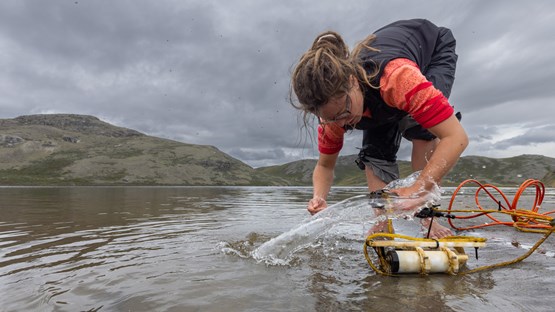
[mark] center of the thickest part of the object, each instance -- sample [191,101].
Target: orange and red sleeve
[330,138]
[403,86]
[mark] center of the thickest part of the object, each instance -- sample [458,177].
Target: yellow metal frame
[404,242]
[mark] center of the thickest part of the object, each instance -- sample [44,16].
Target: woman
[394,83]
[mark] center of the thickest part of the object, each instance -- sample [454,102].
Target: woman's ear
[354,82]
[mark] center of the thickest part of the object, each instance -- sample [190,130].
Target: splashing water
[355,210]
[405,207]
[408,181]
[281,249]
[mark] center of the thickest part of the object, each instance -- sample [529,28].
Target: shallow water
[194,249]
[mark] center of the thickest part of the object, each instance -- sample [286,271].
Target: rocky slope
[65,149]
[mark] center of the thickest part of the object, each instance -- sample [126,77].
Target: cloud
[529,137]
[217,73]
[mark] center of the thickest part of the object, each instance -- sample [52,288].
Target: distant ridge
[70,149]
[76,123]
[497,171]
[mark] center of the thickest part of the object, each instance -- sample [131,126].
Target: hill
[67,149]
[500,172]
[64,149]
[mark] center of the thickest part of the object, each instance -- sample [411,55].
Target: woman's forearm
[322,177]
[442,161]
[322,180]
[453,141]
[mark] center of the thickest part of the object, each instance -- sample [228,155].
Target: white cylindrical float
[425,261]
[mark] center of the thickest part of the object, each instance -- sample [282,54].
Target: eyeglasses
[340,116]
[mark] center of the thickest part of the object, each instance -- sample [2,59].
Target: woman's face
[345,109]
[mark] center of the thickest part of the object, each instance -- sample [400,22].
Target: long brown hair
[324,72]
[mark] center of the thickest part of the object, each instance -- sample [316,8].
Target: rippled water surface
[199,249]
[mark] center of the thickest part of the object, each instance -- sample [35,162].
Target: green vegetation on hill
[501,172]
[82,150]
[64,149]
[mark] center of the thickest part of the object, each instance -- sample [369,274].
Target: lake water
[197,249]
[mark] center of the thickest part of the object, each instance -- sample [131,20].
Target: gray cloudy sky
[217,72]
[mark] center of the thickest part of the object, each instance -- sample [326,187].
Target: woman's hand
[414,190]
[412,197]
[316,204]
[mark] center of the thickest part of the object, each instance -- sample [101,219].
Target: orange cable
[521,218]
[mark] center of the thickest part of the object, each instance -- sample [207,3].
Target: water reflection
[134,248]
